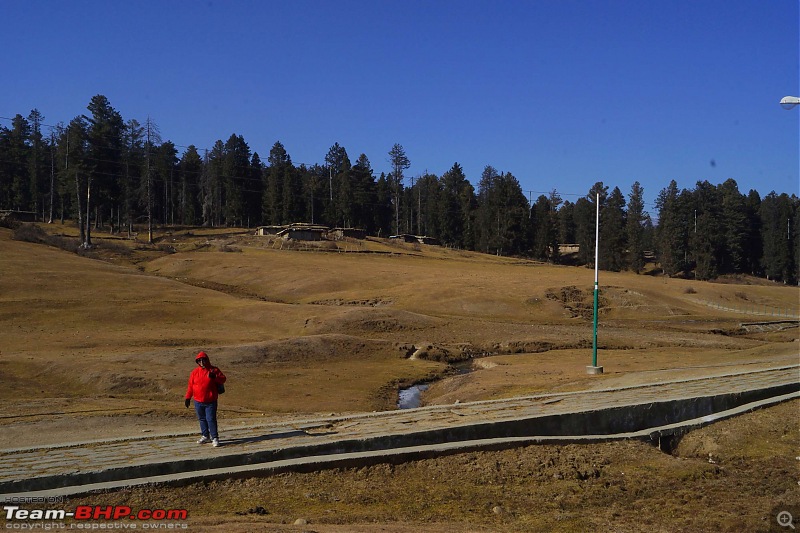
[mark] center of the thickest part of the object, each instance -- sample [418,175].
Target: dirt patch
[618,486]
[368,302]
[317,348]
[356,321]
[577,302]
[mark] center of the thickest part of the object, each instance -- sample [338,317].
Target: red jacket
[201,387]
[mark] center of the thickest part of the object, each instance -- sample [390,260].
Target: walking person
[204,382]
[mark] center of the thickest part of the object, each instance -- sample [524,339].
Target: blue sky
[560,93]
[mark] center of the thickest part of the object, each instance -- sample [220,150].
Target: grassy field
[103,341]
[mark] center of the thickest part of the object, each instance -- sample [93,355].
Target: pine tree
[343,192]
[236,181]
[734,228]
[428,191]
[315,186]
[488,228]
[585,216]
[776,213]
[383,206]
[635,228]
[612,232]
[17,156]
[754,247]
[502,216]
[705,239]
[566,223]
[364,194]
[272,207]
[672,232]
[544,231]
[105,149]
[130,177]
[254,191]
[190,170]
[337,162]
[451,213]
[399,162]
[794,238]
[38,162]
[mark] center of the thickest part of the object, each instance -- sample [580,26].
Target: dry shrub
[35,234]
[328,245]
[227,247]
[8,222]
[166,248]
[30,233]
[115,248]
[689,290]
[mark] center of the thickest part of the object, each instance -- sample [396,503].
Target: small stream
[411,397]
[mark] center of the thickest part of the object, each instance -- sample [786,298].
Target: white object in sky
[788,102]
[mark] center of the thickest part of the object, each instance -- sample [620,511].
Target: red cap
[201,355]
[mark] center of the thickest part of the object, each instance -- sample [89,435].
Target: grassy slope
[110,345]
[85,329]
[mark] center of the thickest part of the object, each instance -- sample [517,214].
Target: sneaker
[203,440]
[215,443]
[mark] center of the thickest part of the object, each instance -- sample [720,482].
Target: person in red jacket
[203,388]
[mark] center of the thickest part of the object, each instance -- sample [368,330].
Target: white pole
[597,242]
[594,369]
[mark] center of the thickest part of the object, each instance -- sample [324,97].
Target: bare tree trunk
[52,177]
[80,216]
[88,242]
[149,191]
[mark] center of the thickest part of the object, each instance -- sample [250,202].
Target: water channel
[411,397]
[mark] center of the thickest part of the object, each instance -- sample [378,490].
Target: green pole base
[593,370]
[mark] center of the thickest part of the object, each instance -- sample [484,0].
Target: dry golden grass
[100,346]
[334,327]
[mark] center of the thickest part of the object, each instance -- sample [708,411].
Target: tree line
[103,171]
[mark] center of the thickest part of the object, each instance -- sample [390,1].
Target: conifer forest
[101,171]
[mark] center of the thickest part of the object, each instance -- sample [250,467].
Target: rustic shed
[303,233]
[18,216]
[405,237]
[564,249]
[268,230]
[352,233]
[423,239]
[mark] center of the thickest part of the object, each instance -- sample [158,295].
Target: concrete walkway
[643,411]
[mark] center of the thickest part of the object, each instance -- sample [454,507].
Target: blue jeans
[207,415]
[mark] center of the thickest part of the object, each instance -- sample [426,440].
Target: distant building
[352,233]
[405,237]
[428,240]
[268,230]
[564,249]
[18,216]
[303,232]
[422,239]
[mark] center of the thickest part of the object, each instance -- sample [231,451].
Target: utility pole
[52,172]
[594,369]
[411,210]
[419,208]
[147,170]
